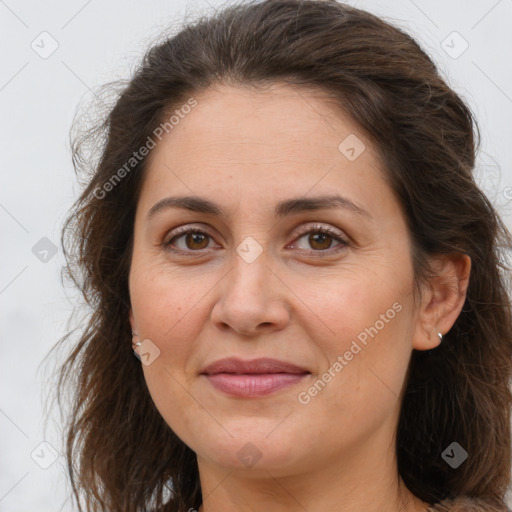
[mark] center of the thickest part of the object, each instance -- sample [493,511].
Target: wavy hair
[121,454]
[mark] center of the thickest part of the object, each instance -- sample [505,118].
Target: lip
[253,378]
[257,366]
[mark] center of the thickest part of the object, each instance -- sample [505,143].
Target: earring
[138,343]
[440,336]
[135,345]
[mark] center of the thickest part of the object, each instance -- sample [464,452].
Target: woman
[284,227]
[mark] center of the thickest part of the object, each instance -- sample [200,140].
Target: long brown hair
[121,454]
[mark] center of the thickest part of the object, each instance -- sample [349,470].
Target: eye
[187,239]
[191,239]
[320,239]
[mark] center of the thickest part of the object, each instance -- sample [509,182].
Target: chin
[255,454]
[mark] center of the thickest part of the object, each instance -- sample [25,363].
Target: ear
[442,299]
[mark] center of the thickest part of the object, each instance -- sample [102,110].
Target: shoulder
[468,504]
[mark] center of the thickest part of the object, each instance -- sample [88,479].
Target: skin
[246,150]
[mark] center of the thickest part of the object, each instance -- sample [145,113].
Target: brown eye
[320,241]
[187,240]
[196,240]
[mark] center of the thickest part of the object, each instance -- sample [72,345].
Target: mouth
[253,385]
[255,378]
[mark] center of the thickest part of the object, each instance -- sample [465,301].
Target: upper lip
[261,365]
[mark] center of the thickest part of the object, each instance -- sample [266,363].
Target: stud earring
[135,344]
[440,336]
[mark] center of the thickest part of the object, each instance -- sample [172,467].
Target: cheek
[167,306]
[345,304]
[364,322]
[167,311]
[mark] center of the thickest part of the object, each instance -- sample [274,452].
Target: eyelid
[314,227]
[298,233]
[183,230]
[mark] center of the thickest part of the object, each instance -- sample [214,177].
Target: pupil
[320,238]
[196,238]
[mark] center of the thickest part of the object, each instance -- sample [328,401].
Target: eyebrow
[282,209]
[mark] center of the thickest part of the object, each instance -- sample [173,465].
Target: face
[266,271]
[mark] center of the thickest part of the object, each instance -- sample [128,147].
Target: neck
[363,478]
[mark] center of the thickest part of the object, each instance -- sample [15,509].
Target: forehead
[277,140]
[277,119]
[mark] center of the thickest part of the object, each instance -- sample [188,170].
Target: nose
[252,299]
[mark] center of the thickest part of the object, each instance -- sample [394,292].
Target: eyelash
[316,228]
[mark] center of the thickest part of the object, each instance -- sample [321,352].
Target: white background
[102,41]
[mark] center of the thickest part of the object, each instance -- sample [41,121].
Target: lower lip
[253,385]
